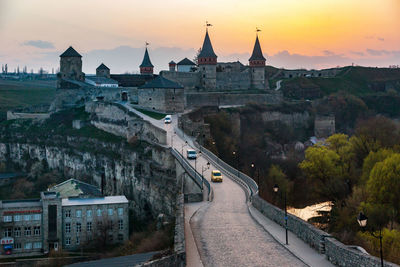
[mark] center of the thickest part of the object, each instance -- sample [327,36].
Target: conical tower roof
[207,49]
[70,52]
[146,60]
[257,53]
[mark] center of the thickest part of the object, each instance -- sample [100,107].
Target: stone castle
[184,84]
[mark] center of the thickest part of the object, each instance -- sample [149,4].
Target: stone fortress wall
[189,80]
[116,119]
[326,73]
[220,98]
[233,80]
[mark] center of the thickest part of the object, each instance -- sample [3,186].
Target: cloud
[374,52]
[127,59]
[357,53]
[287,60]
[370,37]
[39,44]
[328,53]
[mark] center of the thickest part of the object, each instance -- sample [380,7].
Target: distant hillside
[354,80]
[15,94]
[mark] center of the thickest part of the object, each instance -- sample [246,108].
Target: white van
[191,154]
[168,119]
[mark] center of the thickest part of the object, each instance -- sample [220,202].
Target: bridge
[227,227]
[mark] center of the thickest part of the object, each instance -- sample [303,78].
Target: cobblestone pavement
[226,234]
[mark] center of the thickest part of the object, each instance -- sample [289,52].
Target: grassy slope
[15,94]
[353,80]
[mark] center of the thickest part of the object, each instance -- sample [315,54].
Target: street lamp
[202,173]
[172,139]
[185,144]
[258,176]
[362,221]
[234,153]
[276,189]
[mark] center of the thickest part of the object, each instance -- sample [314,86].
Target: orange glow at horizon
[307,27]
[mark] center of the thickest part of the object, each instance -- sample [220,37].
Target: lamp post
[185,144]
[202,174]
[172,139]
[276,189]
[236,154]
[258,176]
[362,221]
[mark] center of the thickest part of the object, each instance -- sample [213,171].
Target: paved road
[224,231]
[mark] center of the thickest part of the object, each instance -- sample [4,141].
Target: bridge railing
[247,180]
[197,178]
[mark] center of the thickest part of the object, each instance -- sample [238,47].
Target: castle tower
[257,67]
[172,66]
[207,61]
[71,65]
[146,67]
[103,71]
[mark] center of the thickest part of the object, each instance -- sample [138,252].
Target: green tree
[373,134]
[372,159]
[383,186]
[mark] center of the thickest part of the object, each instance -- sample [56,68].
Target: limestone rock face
[145,180]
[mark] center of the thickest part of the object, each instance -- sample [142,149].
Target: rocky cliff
[144,172]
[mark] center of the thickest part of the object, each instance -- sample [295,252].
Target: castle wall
[218,99]
[324,126]
[233,80]
[161,99]
[311,73]
[71,97]
[188,80]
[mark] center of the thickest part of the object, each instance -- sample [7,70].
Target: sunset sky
[306,33]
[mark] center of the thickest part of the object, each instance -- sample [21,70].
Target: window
[67,228]
[99,225]
[36,230]
[78,213]
[37,245]
[120,211]
[28,231]
[28,246]
[7,232]
[89,226]
[17,218]
[120,237]
[7,218]
[110,236]
[17,245]
[27,217]
[89,213]
[120,224]
[110,212]
[78,240]
[17,231]
[68,241]
[110,223]
[68,214]
[36,217]
[98,212]
[78,227]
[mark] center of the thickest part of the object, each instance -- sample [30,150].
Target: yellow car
[216,176]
